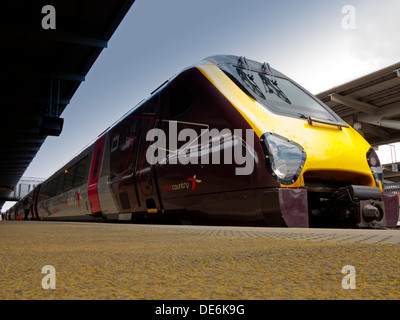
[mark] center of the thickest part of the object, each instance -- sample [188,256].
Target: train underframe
[345,207]
[352,206]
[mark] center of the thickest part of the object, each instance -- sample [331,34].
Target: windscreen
[278,95]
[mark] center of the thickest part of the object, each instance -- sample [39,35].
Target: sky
[310,41]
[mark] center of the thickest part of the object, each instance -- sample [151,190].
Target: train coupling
[365,203]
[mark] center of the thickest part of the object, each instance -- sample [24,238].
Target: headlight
[285,158]
[375,166]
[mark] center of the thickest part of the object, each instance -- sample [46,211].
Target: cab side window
[179,101]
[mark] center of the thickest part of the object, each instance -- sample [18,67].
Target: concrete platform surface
[127,261]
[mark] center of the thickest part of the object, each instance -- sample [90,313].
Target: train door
[146,177]
[35,198]
[94,175]
[122,150]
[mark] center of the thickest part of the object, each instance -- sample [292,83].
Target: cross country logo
[183,185]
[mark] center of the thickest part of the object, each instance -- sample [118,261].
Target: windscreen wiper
[271,86]
[267,68]
[249,79]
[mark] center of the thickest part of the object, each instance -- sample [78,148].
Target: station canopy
[42,68]
[371,104]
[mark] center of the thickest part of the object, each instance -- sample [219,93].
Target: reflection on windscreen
[280,95]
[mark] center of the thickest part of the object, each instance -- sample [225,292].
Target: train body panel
[226,141]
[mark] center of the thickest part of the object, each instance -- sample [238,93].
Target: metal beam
[25,139]
[390,174]
[22,148]
[63,36]
[29,70]
[389,111]
[12,178]
[13,164]
[392,124]
[377,121]
[31,32]
[29,128]
[12,161]
[19,152]
[376,131]
[13,172]
[17,158]
[355,104]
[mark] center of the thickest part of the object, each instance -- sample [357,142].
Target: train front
[327,174]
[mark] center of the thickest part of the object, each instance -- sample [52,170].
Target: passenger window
[81,172]
[43,188]
[52,187]
[60,183]
[69,178]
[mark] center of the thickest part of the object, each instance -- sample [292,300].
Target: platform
[127,261]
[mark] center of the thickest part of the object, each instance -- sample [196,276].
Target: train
[226,141]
